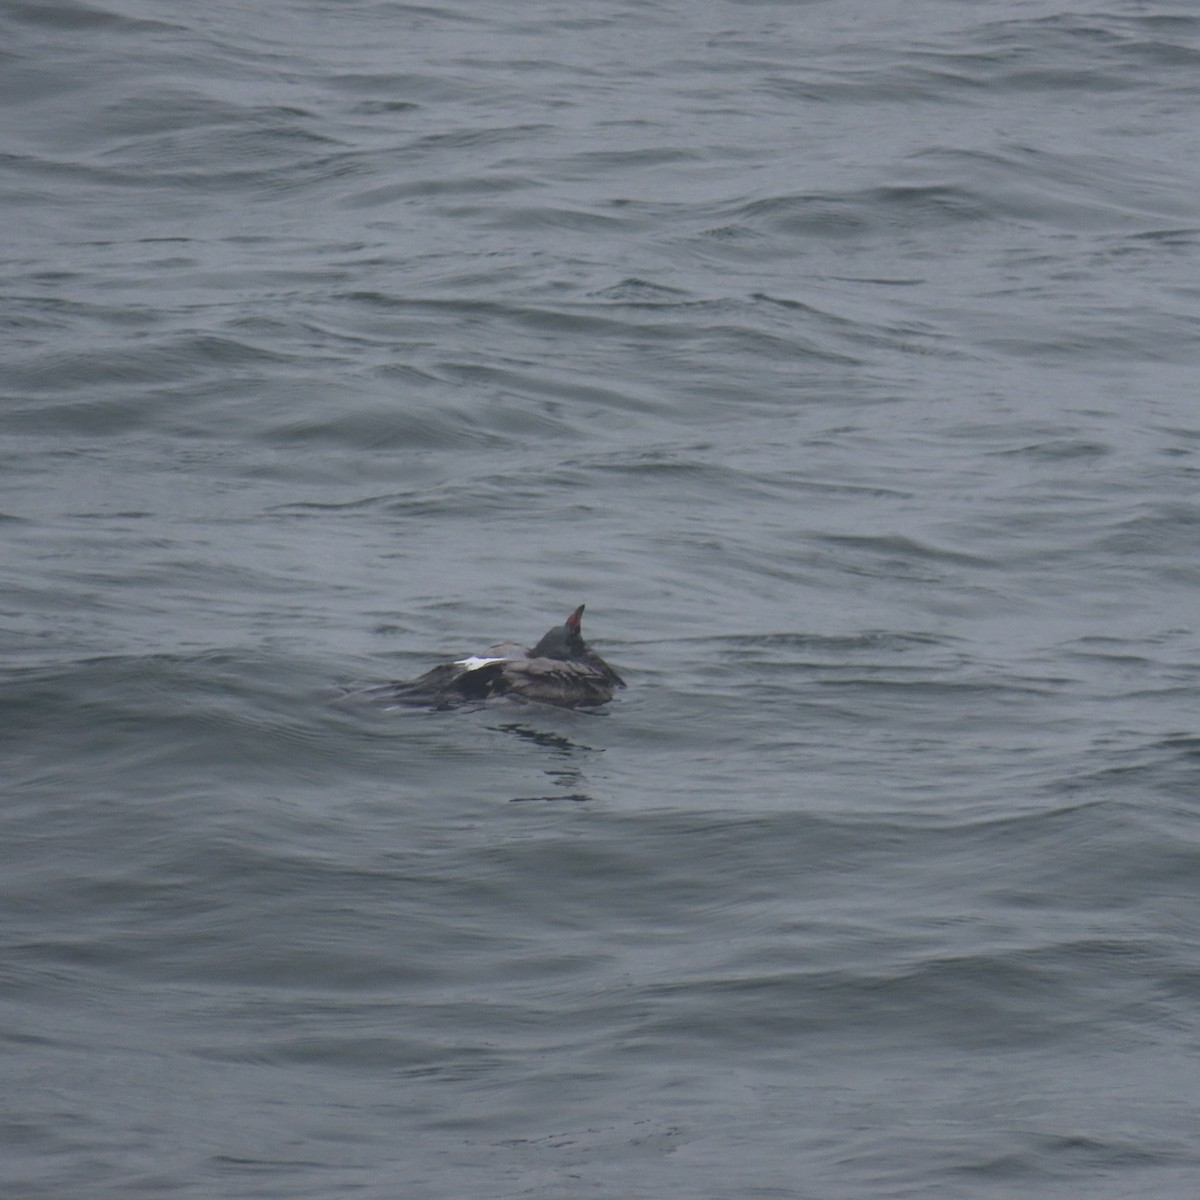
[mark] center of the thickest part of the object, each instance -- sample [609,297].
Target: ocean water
[842,358]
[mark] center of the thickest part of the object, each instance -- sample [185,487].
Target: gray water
[842,358]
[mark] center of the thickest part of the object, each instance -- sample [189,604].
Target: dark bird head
[565,642]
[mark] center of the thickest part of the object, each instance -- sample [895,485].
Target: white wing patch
[473,663]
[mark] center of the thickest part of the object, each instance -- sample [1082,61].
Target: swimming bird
[562,669]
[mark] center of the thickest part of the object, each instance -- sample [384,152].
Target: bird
[562,670]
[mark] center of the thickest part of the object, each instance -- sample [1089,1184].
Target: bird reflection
[566,778]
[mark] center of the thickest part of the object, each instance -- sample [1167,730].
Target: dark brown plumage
[562,669]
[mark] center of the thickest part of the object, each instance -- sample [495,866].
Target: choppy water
[842,359]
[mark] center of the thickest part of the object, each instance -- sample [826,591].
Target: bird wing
[554,681]
[452,683]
